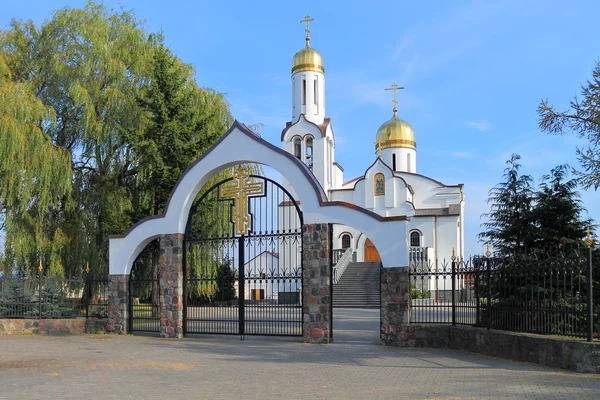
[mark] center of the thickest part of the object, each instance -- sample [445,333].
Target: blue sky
[474,73]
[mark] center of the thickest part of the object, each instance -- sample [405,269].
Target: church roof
[322,127]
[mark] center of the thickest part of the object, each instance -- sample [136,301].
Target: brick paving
[218,367]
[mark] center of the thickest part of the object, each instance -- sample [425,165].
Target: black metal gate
[144,305]
[243,260]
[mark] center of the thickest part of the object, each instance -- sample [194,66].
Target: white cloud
[461,154]
[480,125]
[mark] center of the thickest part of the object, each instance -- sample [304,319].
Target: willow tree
[34,175]
[123,117]
[85,67]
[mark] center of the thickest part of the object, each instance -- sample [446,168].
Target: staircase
[358,287]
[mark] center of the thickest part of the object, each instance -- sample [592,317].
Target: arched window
[298,148]
[345,241]
[309,152]
[415,239]
[394,162]
[408,169]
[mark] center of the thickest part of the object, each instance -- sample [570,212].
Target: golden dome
[307,59]
[395,133]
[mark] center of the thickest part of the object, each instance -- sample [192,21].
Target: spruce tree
[558,211]
[509,224]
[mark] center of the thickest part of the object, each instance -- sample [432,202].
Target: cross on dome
[306,20]
[395,88]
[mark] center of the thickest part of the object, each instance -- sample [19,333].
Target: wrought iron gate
[243,260]
[144,305]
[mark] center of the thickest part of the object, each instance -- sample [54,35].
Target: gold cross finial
[588,240]
[40,268]
[394,88]
[306,20]
[87,268]
[378,147]
[488,251]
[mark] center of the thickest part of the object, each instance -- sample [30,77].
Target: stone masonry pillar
[395,303]
[316,283]
[118,302]
[171,285]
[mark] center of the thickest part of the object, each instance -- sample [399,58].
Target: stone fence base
[575,355]
[52,326]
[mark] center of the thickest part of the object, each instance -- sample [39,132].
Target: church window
[298,148]
[330,164]
[303,92]
[294,94]
[345,241]
[394,162]
[408,163]
[415,239]
[379,184]
[315,93]
[309,152]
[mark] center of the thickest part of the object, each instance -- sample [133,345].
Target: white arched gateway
[240,146]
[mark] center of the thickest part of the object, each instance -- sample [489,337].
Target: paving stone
[219,367]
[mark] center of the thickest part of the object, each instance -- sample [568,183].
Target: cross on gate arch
[240,191]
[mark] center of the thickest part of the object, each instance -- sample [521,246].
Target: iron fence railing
[43,297]
[533,292]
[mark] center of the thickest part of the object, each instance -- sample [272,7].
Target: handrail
[343,262]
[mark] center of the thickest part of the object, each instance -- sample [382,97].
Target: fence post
[453,288]
[590,286]
[477,283]
[488,254]
[40,269]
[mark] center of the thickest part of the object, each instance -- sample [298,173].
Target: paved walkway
[216,367]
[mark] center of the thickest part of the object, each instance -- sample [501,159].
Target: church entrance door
[243,260]
[371,254]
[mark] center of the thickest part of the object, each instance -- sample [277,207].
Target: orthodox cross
[306,20]
[378,147]
[394,88]
[242,188]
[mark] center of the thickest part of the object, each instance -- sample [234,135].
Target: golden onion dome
[395,133]
[307,59]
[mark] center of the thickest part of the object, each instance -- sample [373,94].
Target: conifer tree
[509,224]
[583,119]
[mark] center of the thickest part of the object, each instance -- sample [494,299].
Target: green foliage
[17,297]
[225,283]
[98,121]
[582,119]
[524,218]
[418,293]
[509,223]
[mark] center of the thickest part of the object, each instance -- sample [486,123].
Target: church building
[390,185]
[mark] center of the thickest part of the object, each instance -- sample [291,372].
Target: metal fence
[43,297]
[544,293]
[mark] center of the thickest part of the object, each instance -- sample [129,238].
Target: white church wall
[338,175]
[342,195]
[406,159]
[426,192]
[314,111]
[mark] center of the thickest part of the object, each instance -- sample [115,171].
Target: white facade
[434,211]
[267,265]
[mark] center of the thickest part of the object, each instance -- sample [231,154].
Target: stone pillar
[395,303]
[171,285]
[118,303]
[316,283]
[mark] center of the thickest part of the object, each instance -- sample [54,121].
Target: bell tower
[308,82]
